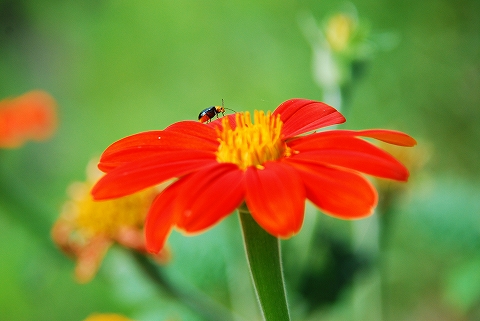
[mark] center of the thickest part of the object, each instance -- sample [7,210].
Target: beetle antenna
[223,106]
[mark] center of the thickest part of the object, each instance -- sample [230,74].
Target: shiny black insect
[207,114]
[210,112]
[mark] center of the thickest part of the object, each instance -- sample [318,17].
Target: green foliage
[117,67]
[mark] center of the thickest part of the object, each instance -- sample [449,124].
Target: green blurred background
[120,67]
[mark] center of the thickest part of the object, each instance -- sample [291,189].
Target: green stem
[264,260]
[23,208]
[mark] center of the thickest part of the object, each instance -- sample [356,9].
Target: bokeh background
[121,67]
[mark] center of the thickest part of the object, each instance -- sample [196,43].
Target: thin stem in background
[198,303]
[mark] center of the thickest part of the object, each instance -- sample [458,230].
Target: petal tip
[153,247]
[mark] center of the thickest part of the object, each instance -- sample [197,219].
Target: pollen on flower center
[251,144]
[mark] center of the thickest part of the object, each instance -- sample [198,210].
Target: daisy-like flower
[268,164]
[29,116]
[86,228]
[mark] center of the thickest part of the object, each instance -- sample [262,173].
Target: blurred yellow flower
[107,317]
[339,31]
[87,228]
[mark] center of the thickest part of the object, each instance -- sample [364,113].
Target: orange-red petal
[302,115]
[193,128]
[340,193]
[389,136]
[162,217]
[187,135]
[90,256]
[350,152]
[137,175]
[217,123]
[209,195]
[386,135]
[275,196]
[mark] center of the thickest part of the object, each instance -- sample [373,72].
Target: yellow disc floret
[251,144]
[108,217]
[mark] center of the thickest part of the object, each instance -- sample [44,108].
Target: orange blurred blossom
[31,116]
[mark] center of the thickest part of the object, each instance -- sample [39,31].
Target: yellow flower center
[251,144]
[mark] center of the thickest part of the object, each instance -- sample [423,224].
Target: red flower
[265,164]
[30,116]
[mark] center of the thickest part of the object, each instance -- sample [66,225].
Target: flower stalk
[264,261]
